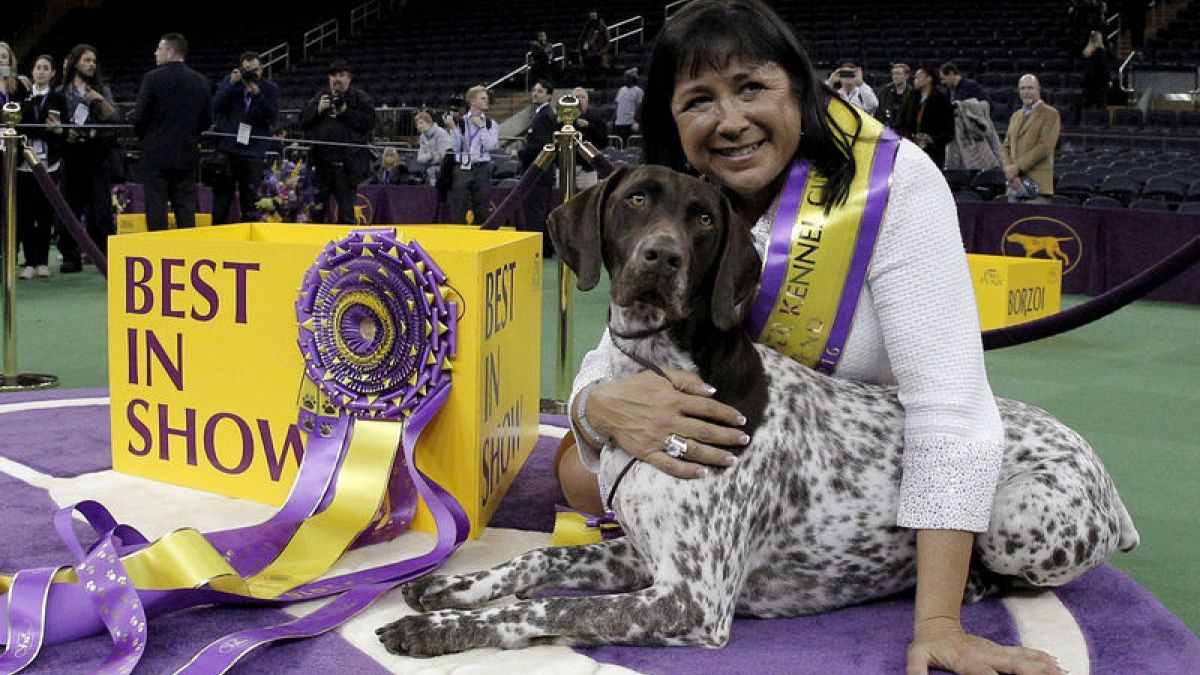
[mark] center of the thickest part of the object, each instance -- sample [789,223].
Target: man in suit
[1031,138]
[540,132]
[172,110]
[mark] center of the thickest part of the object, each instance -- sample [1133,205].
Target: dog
[804,522]
[1034,245]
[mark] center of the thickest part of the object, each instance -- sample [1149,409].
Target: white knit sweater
[915,326]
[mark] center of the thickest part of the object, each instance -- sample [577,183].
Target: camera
[337,99]
[848,73]
[249,76]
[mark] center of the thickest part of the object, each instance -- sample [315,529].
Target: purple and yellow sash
[377,333]
[815,264]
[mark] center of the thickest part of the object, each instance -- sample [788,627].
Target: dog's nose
[661,253]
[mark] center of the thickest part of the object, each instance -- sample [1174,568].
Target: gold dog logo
[362,210]
[1043,237]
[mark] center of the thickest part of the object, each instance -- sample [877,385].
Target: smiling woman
[731,95]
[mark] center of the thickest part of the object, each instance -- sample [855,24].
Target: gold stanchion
[567,141]
[10,379]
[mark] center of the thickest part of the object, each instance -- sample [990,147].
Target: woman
[13,87]
[731,95]
[36,218]
[1095,72]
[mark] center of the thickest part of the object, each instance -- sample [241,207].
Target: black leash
[633,335]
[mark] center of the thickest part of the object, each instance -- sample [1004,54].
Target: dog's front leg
[652,617]
[605,566]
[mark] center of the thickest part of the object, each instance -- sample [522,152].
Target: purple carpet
[1127,630]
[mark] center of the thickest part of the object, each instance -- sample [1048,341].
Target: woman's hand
[641,411]
[941,642]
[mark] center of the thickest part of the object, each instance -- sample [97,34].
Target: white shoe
[26,272]
[43,271]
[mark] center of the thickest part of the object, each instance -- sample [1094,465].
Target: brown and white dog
[805,521]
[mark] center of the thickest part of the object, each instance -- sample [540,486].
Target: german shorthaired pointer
[804,522]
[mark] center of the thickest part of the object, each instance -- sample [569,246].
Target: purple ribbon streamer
[878,189]
[779,249]
[26,610]
[514,198]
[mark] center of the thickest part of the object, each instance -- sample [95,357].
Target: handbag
[215,170]
[445,179]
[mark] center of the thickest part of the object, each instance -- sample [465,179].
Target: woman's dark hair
[72,64]
[712,33]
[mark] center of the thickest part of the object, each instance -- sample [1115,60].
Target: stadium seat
[1189,207]
[1149,205]
[1066,200]
[1127,119]
[1079,184]
[959,179]
[1193,192]
[967,196]
[1102,202]
[990,183]
[1123,188]
[1164,189]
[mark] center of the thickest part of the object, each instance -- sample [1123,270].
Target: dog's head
[670,242]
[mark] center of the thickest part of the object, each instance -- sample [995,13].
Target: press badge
[81,115]
[243,134]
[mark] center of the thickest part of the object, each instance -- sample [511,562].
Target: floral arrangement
[286,194]
[122,199]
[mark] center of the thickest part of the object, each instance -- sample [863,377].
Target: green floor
[1128,383]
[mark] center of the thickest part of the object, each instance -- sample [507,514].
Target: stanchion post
[11,379]
[567,142]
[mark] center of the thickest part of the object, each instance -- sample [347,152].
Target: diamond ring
[676,446]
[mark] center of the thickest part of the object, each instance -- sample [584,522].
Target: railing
[671,8]
[1125,74]
[633,26]
[359,16]
[280,52]
[319,35]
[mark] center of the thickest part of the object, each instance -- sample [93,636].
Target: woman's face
[43,72]
[5,57]
[739,125]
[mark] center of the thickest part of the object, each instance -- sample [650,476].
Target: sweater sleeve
[922,292]
[596,366]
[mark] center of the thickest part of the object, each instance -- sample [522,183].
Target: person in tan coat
[1031,138]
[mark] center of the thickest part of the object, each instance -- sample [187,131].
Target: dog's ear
[738,271]
[575,228]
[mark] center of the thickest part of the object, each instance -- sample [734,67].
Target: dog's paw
[437,592]
[426,635]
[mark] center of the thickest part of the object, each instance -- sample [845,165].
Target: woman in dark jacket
[35,216]
[926,116]
[1095,72]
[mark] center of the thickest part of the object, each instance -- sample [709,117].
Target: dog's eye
[637,200]
[705,220]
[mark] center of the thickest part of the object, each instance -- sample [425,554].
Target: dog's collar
[638,334]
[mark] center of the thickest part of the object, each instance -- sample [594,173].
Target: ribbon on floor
[377,333]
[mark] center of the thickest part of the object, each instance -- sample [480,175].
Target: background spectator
[391,171]
[593,48]
[926,117]
[340,114]
[540,58]
[629,101]
[892,96]
[13,87]
[35,216]
[433,142]
[473,137]
[1031,138]
[595,131]
[245,107]
[88,155]
[847,81]
[540,132]
[172,110]
[1096,79]
[960,88]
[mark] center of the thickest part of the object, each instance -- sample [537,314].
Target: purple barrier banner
[380,204]
[1070,234]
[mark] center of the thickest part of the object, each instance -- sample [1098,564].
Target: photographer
[472,139]
[339,114]
[245,108]
[847,81]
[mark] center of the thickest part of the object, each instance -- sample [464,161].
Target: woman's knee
[579,485]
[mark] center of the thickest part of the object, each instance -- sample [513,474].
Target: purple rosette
[374,325]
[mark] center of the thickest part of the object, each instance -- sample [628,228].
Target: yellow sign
[129,223]
[1010,291]
[204,368]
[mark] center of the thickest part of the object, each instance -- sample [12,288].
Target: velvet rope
[68,218]
[1100,306]
[604,167]
[514,198]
